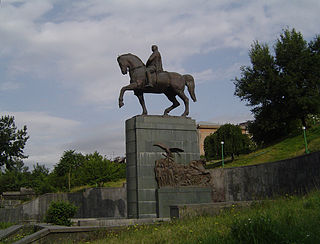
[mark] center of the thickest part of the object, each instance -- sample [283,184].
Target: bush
[59,213]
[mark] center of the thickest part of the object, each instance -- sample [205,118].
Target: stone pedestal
[170,196]
[141,133]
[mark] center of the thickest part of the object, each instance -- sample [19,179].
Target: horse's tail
[190,84]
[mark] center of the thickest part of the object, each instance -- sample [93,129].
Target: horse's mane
[132,55]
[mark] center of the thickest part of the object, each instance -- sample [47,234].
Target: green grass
[118,183]
[291,147]
[4,225]
[290,219]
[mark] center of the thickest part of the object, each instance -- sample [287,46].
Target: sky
[59,74]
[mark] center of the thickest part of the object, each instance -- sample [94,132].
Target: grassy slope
[118,183]
[288,148]
[290,219]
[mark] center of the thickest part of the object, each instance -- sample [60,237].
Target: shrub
[59,213]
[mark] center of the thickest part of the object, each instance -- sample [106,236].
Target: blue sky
[59,74]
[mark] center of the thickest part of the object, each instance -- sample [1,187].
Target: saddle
[158,77]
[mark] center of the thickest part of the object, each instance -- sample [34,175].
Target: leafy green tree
[68,165]
[210,145]
[98,170]
[12,180]
[12,142]
[39,179]
[76,169]
[235,142]
[282,88]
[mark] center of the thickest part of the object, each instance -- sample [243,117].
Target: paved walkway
[84,226]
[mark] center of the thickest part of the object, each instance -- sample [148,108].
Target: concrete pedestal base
[181,195]
[141,133]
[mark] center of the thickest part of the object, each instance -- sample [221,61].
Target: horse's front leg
[143,105]
[131,86]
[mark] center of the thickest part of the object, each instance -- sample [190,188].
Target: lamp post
[222,142]
[305,139]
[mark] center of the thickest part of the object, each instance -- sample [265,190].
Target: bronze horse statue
[169,83]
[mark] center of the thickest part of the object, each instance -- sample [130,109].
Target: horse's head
[129,61]
[124,64]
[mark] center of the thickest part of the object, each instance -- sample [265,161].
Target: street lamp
[222,142]
[305,139]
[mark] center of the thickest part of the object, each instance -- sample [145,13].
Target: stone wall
[92,203]
[290,176]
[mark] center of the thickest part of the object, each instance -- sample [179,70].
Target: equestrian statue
[151,78]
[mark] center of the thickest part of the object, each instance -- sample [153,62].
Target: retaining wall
[92,203]
[290,176]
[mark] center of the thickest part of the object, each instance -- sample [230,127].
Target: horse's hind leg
[186,102]
[174,101]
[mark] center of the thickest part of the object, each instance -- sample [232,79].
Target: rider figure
[154,64]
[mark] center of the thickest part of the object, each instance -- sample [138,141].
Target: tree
[211,149]
[235,142]
[98,170]
[76,169]
[14,179]
[12,142]
[282,88]
[68,164]
[39,179]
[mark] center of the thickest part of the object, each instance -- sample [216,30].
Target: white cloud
[6,86]
[47,135]
[204,76]
[79,47]
[208,75]
[50,136]
[74,44]
[45,126]
[107,138]
[231,118]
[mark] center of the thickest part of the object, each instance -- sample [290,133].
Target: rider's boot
[148,80]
